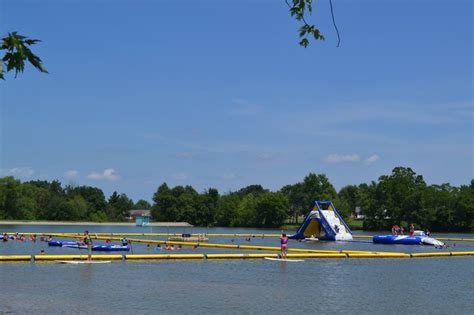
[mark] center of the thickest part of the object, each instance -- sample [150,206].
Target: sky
[219,93]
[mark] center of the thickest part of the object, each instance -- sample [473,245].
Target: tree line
[403,197]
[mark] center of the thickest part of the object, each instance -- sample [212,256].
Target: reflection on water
[437,286]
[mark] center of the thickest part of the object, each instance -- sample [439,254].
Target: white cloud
[108,174]
[180,176]
[19,172]
[337,158]
[372,159]
[71,174]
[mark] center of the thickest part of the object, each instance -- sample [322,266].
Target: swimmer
[158,247]
[42,252]
[125,241]
[5,237]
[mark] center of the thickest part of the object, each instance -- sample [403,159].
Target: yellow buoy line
[153,234]
[253,235]
[135,257]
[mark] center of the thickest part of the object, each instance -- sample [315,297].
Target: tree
[464,208]
[9,190]
[251,189]
[94,197]
[397,199]
[271,210]
[206,207]
[118,206]
[17,52]
[164,207]
[317,187]
[246,210]
[349,195]
[226,209]
[142,204]
[296,203]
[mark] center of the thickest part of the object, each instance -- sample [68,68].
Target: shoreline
[73,223]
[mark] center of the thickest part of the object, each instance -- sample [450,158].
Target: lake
[376,286]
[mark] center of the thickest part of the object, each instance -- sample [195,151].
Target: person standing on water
[284,245]
[88,241]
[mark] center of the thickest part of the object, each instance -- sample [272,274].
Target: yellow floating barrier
[76,257]
[316,255]
[16,258]
[164,256]
[440,254]
[377,255]
[240,256]
[462,253]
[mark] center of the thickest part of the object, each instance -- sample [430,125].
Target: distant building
[358,214]
[141,216]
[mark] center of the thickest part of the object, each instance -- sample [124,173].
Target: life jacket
[87,240]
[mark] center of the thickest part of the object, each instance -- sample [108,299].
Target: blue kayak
[101,247]
[61,243]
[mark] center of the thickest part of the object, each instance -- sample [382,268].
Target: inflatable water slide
[324,223]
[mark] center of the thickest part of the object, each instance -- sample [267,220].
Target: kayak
[102,248]
[61,243]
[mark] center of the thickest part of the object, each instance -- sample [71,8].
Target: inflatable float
[324,223]
[407,240]
[101,247]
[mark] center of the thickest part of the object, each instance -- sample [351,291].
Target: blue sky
[219,93]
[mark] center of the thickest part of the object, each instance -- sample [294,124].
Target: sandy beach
[19,222]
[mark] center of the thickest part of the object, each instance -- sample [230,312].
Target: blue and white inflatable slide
[324,223]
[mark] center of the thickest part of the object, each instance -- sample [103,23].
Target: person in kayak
[88,241]
[284,245]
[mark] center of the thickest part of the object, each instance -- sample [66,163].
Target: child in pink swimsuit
[284,245]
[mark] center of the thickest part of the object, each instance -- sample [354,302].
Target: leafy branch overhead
[17,52]
[298,10]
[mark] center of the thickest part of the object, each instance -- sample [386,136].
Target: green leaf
[304,42]
[17,52]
